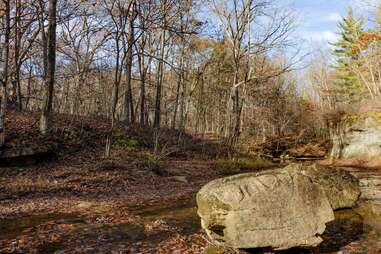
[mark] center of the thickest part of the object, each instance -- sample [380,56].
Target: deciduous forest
[186,126]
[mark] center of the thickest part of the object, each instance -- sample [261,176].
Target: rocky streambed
[356,230]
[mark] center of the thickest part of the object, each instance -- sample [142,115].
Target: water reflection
[353,231]
[347,227]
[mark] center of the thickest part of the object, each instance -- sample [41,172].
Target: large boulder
[279,209]
[341,188]
[357,137]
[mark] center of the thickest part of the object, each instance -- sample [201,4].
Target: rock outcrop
[370,183]
[280,209]
[24,156]
[358,137]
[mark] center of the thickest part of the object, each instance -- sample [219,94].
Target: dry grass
[241,164]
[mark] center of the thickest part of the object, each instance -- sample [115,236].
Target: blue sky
[319,18]
[318,24]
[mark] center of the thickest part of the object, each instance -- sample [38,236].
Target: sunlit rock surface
[279,209]
[357,138]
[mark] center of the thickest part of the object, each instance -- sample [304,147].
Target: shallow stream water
[355,230]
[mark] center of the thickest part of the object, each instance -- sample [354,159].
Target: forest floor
[136,201]
[96,208]
[80,202]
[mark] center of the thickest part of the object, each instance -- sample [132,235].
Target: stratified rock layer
[357,139]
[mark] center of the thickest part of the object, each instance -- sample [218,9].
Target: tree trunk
[179,85]
[175,107]
[159,83]
[142,70]
[17,55]
[28,88]
[160,73]
[129,115]
[46,116]
[43,37]
[115,95]
[235,119]
[4,71]
[183,106]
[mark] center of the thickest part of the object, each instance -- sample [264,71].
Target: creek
[355,230]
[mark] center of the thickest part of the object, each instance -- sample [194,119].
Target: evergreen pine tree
[347,53]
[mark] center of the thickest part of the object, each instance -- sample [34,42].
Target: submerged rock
[281,209]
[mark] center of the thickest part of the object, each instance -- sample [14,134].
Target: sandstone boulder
[341,188]
[279,209]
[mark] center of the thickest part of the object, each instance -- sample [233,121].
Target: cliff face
[357,137]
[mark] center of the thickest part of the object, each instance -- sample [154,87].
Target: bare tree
[81,39]
[26,30]
[129,115]
[116,10]
[4,67]
[246,43]
[46,116]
